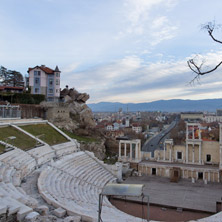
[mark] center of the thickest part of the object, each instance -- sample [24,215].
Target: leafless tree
[195,64]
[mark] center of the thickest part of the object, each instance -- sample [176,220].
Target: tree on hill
[196,64]
[11,77]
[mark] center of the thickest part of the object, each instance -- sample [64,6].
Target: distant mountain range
[174,105]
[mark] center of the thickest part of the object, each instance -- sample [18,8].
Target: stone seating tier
[65,148]
[74,183]
[42,154]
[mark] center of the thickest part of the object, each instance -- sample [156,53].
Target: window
[37,73]
[200,175]
[57,82]
[179,155]
[36,90]
[208,158]
[50,90]
[36,80]
[57,90]
[57,74]
[153,171]
[50,82]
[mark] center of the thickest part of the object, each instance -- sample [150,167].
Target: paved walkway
[184,194]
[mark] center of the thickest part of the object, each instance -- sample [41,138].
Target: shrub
[23,98]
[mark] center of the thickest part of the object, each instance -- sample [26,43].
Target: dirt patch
[156,212]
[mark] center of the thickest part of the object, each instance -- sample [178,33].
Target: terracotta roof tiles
[47,70]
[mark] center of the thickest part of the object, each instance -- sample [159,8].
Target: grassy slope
[81,138]
[22,141]
[45,133]
[2,148]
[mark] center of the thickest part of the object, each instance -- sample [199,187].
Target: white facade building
[210,119]
[136,128]
[46,81]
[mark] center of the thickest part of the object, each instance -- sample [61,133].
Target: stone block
[88,219]
[42,210]
[31,217]
[73,219]
[13,209]
[24,210]
[3,209]
[59,212]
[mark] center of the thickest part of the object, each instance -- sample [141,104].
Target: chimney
[43,66]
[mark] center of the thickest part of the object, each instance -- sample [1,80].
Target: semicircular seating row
[74,183]
[15,165]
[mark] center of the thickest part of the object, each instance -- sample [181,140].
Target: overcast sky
[115,50]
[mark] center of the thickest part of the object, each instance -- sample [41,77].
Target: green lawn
[46,133]
[2,148]
[21,141]
[81,138]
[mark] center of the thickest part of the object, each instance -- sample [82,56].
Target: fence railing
[8,111]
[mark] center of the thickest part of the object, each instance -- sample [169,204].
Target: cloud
[132,79]
[140,20]
[70,68]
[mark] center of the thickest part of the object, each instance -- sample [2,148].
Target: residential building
[11,89]
[46,81]
[116,126]
[136,128]
[109,127]
[192,116]
[212,118]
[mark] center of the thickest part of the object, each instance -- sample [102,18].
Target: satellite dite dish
[131,190]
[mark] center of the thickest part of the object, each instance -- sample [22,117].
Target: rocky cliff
[74,115]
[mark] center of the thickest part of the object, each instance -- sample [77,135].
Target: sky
[116,50]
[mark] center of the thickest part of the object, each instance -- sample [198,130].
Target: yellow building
[198,159]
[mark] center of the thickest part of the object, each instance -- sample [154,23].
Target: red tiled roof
[135,125]
[44,69]
[11,87]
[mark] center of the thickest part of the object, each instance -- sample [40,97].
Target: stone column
[125,150]
[131,151]
[120,150]
[136,150]
[199,133]
[170,153]
[186,131]
[164,152]
[193,137]
[220,133]
[187,157]
[220,156]
[199,153]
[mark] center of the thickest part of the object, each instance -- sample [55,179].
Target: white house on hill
[46,81]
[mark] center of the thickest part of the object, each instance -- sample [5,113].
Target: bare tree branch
[210,27]
[197,69]
[193,65]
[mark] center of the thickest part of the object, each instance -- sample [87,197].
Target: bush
[23,98]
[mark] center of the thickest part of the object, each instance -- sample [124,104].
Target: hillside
[174,105]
